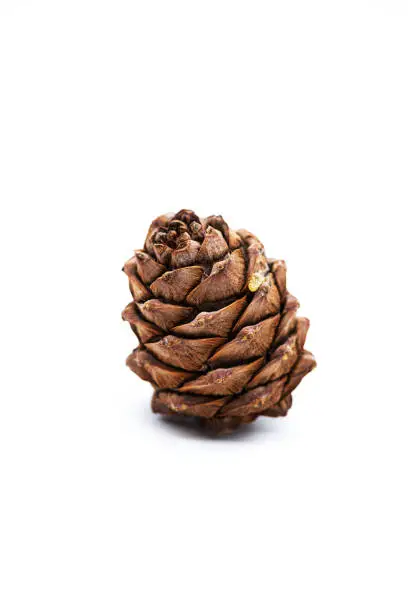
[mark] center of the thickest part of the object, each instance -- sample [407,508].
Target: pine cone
[218,332]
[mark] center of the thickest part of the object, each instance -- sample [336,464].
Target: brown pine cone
[218,332]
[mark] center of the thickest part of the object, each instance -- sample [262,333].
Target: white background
[290,119]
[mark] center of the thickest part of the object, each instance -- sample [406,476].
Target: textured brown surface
[219,337]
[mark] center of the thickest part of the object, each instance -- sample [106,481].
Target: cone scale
[219,337]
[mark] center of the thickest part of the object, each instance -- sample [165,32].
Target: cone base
[180,408]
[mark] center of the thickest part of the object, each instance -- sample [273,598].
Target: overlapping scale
[287,322]
[303,366]
[185,254]
[280,409]
[281,362]
[188,354]
[216,323]
[257,267]
[161,221]
[138,290]
[226,280]
[145,330]
[163,253]
[164,315]
[256,400]
[175,285]
[302,327]
[213,246]
[279,271]
[252,341]
[232,238]
[149,368]
[223,381]
[148,269]
[266,301]
[168,402]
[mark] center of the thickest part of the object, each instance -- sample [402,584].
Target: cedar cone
[218,332]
